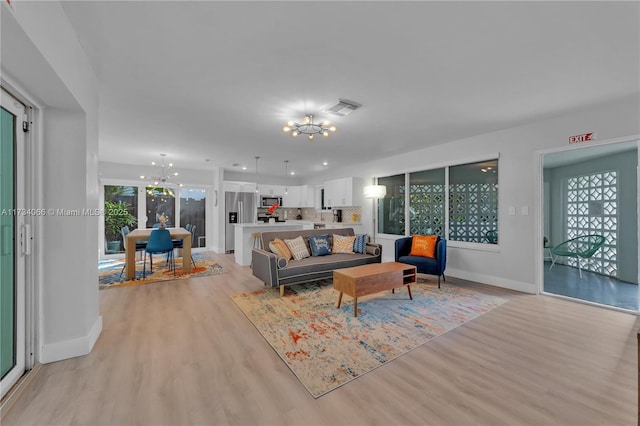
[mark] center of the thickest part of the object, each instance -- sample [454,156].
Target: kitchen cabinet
[239,186]
[271,190]
[344,192]
[307,196]
[299,196]
[292,197]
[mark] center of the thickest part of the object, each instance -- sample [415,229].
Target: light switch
[524,210]
[512,211]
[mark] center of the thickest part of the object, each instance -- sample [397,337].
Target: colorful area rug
[326,347]
[110,276]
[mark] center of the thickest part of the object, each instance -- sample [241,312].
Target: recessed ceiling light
[244,167]
[325,164]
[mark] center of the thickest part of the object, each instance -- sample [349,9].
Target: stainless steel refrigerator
[239,207]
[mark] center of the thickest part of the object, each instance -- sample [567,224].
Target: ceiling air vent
[344,107]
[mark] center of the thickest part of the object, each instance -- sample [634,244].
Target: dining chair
[140,245]
[178,244]
[159,242]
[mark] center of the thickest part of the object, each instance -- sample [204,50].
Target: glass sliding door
[118,197]
[12,214]
[161,207]
[193,213]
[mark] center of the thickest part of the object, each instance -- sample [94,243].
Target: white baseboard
[58,351]
[492,280]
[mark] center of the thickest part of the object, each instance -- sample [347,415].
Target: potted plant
[116,216]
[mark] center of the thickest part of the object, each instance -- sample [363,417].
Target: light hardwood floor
[182,353]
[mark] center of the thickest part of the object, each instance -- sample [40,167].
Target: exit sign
[582,138]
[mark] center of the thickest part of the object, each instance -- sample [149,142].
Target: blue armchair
[424,265]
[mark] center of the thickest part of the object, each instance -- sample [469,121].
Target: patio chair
[583,247]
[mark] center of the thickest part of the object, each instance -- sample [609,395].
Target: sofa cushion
[298,248]
[320,245]
[423,245]
[360,244]
[281,262]
[280,248]
[342,244]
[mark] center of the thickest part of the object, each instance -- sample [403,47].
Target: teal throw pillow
[320,245]
[360,244]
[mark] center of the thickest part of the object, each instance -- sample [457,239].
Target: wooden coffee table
[372,278]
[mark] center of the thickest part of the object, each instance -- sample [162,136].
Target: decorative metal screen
[426,205]
[473,211]
[592,208]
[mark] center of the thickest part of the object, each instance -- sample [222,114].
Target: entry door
[12,261]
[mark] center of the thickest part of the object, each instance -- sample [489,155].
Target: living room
[44,62]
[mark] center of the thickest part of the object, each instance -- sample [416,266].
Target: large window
[391,218]
[426,202]
[473,202]
[470,198]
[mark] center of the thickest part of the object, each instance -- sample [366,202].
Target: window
[426,202]
[471,199]
[592,208]
[391,218]
[473,202]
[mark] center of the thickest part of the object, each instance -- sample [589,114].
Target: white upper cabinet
[308,196]
[239,187]
[299,196]
[344,192]
[292,197]
[272,190]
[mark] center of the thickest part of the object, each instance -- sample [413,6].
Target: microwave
[269,201]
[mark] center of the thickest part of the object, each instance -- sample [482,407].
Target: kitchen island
[244,242]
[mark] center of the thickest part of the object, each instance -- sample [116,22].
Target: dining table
[143,235]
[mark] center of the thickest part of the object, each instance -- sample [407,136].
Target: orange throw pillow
[423,245]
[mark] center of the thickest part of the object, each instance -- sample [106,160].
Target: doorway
[13,217]
[591,191]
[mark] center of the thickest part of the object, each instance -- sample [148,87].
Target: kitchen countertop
[346,224]
[266,224]
[295,222]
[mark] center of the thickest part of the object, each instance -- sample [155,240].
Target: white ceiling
[217,80]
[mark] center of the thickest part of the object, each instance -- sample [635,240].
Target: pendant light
[286,169]
[257,174]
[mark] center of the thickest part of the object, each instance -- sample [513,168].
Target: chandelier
[308,127]
[163,179]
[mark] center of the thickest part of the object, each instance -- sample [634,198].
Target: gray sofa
[276,272]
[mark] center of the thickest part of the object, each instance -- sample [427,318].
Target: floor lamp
[375,192]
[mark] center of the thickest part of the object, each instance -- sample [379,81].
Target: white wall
[514,264]
[42,58]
